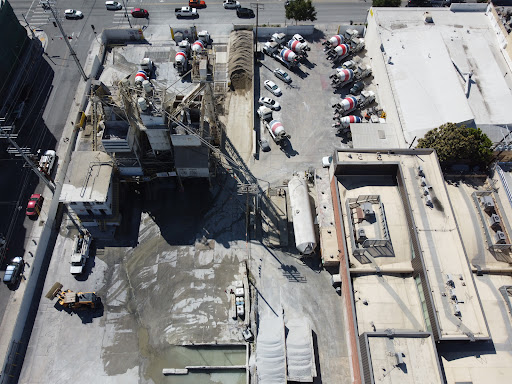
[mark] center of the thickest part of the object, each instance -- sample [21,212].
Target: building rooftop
[403,358]
[88,177]
[427,65]
[449,281]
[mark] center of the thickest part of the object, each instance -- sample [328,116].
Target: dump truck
[73,300]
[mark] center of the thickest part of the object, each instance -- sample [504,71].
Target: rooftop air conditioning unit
[361,235]
[453,294]
[495,220]
[488,203]
[426,190]
[399,358]
[449,280]
[456,311]
[500,237]
[423,182]
[428,201]
[368,209]
[420,171]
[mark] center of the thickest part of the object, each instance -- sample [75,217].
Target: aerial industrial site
[239,205]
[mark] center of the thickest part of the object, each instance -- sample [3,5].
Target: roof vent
[428,17]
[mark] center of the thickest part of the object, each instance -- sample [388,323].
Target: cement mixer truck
[298,47]
[182,56]
[285,56]
[343,123]
[342,77]
[349,103]
[333,42]
[338,53]
[277,132]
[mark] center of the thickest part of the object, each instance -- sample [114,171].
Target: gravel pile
[240,66]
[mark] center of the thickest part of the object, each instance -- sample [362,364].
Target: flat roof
[426,64]
[439,241]
[88,177]
[490,362]
[387,302]
[487,362]
[419,360]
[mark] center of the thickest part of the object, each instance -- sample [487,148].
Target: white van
[113,5]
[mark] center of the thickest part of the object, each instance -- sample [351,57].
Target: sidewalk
[13,322]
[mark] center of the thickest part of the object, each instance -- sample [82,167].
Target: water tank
[303,227]
[148,87]
[142,103]
[181,57]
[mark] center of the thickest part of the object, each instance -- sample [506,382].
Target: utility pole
[6,135]
[47,5]
[29,27]
[257,6]
[126,13]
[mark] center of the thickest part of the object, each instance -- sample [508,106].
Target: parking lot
[306,113]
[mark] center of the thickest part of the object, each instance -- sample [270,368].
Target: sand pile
[240,65]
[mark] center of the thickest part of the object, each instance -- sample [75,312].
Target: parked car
[356,88]
[231,4]
[34,205]
[73,14]
[13,271]
[113,5]
[270,103]
[280,74]
[140,13]
[326,161]
[272,87]
[245,12]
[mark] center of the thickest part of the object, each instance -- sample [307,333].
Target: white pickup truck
[185,12]
[80,253]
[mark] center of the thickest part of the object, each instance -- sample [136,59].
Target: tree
[300,10]
[386,3]
[454,142]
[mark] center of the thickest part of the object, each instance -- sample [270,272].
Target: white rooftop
[419,360]
[426,63]
[88,177]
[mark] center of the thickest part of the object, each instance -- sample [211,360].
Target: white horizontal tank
[303,227]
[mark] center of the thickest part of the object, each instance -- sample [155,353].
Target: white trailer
[303,226]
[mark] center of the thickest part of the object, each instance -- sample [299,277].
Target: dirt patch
[240,64]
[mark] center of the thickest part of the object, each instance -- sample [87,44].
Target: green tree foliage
[301,10]
[386,3]
[458,143]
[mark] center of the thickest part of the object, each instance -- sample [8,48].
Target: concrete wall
[346,284]
[267,32]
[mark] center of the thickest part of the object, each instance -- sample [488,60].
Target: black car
[244,12]
[13,271]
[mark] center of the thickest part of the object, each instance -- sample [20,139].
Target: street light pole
[126,13]
[64,36]
[257,6]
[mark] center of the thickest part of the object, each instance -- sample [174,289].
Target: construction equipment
[73,300]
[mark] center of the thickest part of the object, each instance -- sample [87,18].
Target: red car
[140,13]
[34,205]
[196,4]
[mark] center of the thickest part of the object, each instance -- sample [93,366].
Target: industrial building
[434,66]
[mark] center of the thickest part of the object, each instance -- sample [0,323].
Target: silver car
[73,14]
[269,103]
[272,87]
